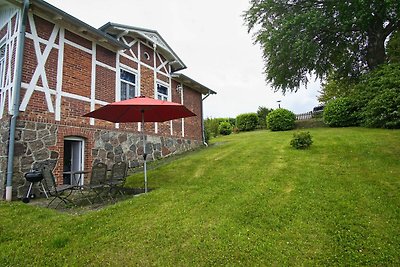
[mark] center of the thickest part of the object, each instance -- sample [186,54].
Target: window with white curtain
[162,92]
[128,84]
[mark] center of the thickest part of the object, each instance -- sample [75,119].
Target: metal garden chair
[61,192]
[98,179]
[117,179]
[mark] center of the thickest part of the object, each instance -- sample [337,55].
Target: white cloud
[211,39]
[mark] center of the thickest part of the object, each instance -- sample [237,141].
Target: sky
[210,37]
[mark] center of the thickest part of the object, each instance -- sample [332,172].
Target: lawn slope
[249,199]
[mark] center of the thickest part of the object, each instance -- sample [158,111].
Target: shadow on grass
[83,202]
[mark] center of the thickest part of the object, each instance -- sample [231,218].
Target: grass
[249,199]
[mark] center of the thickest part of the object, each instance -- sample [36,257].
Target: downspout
[16,99]
[202,119]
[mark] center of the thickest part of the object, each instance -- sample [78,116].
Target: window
[2,64]
[128,85]
[162,92]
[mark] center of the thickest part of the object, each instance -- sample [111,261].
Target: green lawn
[249,199]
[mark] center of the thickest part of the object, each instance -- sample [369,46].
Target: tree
[304,37]
[334,88]
[262,113]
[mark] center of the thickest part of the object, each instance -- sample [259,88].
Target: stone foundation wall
[4,124]
[113,146]
[34,146]
[40,143]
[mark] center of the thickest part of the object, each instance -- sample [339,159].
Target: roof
[152,36]
[53,13]
[185,80]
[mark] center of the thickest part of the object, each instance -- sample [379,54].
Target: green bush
[370,100]
[247,121]
[207,135]
[281,120]
[393,48]
[341,112]
[384,110]
[232,121]
[225,128]
[211,126]
[301,140]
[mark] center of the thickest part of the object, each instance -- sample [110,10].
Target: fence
[309,115]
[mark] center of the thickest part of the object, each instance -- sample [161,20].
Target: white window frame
[135,93]
[3,63]
[161,95]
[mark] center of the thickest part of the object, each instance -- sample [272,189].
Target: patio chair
[61,192]
[98,179]
[118,177]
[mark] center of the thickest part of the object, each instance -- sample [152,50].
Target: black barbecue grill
[33,177]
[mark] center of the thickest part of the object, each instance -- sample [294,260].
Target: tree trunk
[376,49]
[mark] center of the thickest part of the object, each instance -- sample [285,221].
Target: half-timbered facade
[69,69]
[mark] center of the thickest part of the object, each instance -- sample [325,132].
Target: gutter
[202,118]
[16,98]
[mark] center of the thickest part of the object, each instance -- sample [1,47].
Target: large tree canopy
[304,37]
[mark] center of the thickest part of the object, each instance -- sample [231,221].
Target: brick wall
[3,31]
[147,89]
[128,62]
[77,71]
[43,28]
[147,82]
[30,61]
[78,39]
[105,56]
[192,100]
[147,51]
[105,84]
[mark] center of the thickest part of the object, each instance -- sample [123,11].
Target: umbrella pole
[144,155]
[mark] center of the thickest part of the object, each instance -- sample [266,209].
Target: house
[60,68]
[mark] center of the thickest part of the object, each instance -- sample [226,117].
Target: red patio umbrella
[141,109]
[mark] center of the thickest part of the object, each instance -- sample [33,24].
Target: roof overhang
[150,36]
[185,80]
[9,4]
[52,13]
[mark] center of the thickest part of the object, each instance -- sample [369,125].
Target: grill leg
[44,190]
[28,194]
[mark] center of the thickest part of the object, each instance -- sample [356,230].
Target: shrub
[247,121]
[341,112]
[372,100]
[301,140]
[225,128]
[384,110]
[207,135]
[281,120]
[232,121]
[211,126]
[393,48]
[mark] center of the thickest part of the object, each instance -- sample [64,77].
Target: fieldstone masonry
[4,125]
[33,142]
[112,146]
[36,144]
